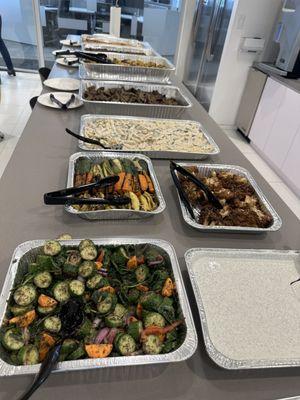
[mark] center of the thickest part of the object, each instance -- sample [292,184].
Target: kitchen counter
[39,164]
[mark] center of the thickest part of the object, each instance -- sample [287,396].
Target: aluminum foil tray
[151,153]
[205,170]
[146,49]
[249,310]
[126,72]
[26,252]
[115,214]
[143,110]
[111,39]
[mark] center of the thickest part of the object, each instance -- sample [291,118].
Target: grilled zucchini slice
[45,310]
[125,344]
[61,291]
[89,253]
[20,310]
[87,268]
[52,324]
[86,243]
[52,247]
[28,355]
[43,280]
[94,282]
[154,319]
[25,295]
[152,345]
[76,287]
[13,339]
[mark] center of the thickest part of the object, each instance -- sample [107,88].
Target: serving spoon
[71,316]
[94,141]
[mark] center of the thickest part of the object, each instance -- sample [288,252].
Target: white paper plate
[44,99]
[66,42]
[62,61]
[65,84]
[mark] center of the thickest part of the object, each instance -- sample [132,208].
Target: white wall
[250,18]
[17,21]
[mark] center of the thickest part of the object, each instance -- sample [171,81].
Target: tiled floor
[288,196]
[15,111]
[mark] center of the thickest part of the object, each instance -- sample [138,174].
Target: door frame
[186,27]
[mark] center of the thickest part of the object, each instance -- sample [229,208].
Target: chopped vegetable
[61,291]
[13,339]
[124,292]
[88,253]
[76,288]
[46,301]
[87,268]
[25,295]
[98,350]
[24,320]
[52,248]
[167,289]
[125,344]
[43,279]
[152,345]
[45,344]
[28,355]
[52,324]
[154,319]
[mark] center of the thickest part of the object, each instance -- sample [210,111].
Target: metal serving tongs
[94,141]
[209,194]
[71,316]
[98,57]
[62,196]
[63,106]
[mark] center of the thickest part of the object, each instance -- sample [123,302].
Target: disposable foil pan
[143,110]
[127,72]
[93,48]
[212,258]
[26,252]
[205,170]
[161,154]
[110,39]
[116,213]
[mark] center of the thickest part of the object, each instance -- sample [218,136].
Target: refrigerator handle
[215,30]
[197,18]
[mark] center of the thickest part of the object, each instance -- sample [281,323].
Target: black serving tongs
[71,316]
[63,106]
[98,57]
[62,196]
[94,141]
[209,194]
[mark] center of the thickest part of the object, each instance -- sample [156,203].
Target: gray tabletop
[38,165]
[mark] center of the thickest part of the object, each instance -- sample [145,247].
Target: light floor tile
[288,196]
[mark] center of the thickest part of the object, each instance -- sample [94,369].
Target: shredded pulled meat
[241,205]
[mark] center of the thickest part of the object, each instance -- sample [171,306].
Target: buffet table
[39,164]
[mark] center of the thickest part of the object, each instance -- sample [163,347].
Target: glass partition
[18,33]
[155,21]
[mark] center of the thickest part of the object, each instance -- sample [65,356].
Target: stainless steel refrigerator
[208,37]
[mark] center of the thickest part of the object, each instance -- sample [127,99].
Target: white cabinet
[275,132]
[266,112]
[291,164]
